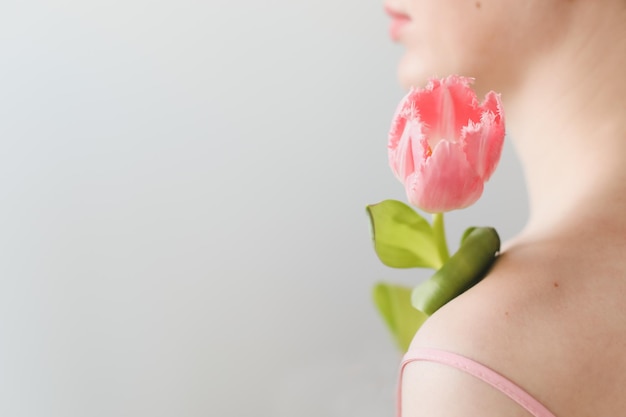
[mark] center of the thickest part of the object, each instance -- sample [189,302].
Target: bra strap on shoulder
[478,370]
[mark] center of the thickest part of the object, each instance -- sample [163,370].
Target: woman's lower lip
[395,29]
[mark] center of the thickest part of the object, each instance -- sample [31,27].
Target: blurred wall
[182,192]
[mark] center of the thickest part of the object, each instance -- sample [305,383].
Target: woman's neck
[568,122]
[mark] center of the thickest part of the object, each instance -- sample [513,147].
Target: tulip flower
[444,144]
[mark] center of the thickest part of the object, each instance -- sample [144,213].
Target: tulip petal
[445,107]
[493,104]
[401,156]
[405,140]
[483,141]
[445,181]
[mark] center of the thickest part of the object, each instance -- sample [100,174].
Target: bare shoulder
[549,326]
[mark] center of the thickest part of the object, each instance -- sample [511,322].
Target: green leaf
[403,238]
[466,233]
[462,271]
[394,305]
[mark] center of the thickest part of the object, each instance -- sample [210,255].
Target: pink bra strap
[479,371]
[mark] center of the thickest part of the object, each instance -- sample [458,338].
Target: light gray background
[182,224]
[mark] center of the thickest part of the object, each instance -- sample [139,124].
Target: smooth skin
[551,315]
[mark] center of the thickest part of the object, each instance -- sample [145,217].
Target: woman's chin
[416,72]
[413,73]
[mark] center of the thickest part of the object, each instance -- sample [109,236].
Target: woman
[550,317]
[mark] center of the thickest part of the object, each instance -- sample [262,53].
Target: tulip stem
[440,237]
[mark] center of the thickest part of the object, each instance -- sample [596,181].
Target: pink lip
[398,22]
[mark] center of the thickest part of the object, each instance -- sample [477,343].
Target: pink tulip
[444,144]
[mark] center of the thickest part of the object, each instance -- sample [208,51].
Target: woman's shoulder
[548,323]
